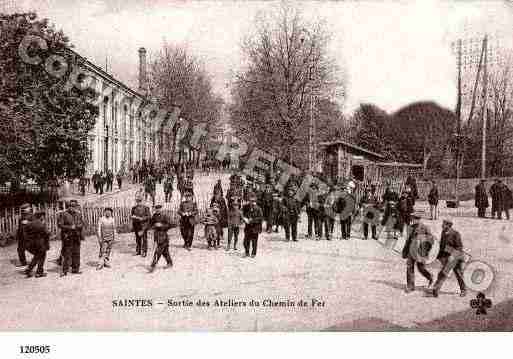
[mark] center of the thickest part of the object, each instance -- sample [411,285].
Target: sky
[393,52]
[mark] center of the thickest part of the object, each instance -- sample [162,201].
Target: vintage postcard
[256,166]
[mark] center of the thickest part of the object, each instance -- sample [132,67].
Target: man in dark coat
[222,216]
[71,224]
[481,199]
[38,238]
[292,209]
[433,201]
[405,209]
[311,212]
[160,224]
[140,224]
[497,202]
[252,217]
[507,199]
[450,247]
[345,207]
[417,229]
[369,203]
[168,187]
[25,218]
[266,204]
[188,212]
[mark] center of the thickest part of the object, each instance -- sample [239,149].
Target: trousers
[187,232]
[233,232]
[410,272]
[162,249]
[291,229]
[105,249]
[442,276]
[345,227]
[39,260]
[71,255]
[141,242]
[21,252]
[250,242]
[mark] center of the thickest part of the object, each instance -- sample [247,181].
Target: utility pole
[458,134]
[484,113]
[311,129]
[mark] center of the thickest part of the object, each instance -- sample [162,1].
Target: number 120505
[34,349]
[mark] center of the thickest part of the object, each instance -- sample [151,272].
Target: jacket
[449,240]
[143,223]
[254,214]
[160,232]
[37,236]
[66,221]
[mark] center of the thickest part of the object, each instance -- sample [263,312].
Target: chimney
[143,86]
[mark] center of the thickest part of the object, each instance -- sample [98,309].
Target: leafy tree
[44,124]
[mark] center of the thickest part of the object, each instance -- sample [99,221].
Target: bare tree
[285,59]
[179,78]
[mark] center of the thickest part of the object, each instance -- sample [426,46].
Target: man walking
[160,224]
[71,224]
[21,238]
[369,204]
[292,209]
[416,229]
[140,221]
[451,247]
[252,217]
[481,199]
[38,239]
[496,194]
[188,212]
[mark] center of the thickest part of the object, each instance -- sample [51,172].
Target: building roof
[99,71]
[354,147]
[399,164]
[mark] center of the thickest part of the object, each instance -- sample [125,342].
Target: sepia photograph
[255,166]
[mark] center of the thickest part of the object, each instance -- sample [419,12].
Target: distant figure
[507,199]
[481,199]
[433,201]
[106,237]
[497,201]
[252,217]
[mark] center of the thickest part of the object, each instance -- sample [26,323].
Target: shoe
[137,254]
[408,290]
[234,248]
[106,265]
[143,255]
[227,249]
[151,270]
[246,255]
[253,255]
[189,249]
[28,274]
[295,240]
[169,265]
[434,293]
[40,275]
[364,238]
[63,274]
[463,293]
[76,272]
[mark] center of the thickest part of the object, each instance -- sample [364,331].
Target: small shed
[341,159]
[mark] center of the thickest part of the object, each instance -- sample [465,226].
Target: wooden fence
[91,214]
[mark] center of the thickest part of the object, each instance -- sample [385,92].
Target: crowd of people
[502,199]
[243,209]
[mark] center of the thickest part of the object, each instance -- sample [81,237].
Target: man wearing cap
[160,224]
[38,239]
[369,203]
[25,218]
[140,221]
[188,212]
[451,247]
[292,209]
[481,199]
[252,217]
[71,224]
[408,253]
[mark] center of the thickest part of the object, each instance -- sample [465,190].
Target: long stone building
[123,135]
